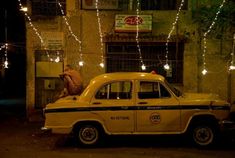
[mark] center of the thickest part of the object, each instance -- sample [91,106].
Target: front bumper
[45,129]
[228,125]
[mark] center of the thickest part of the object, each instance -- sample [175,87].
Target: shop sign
[128,23]
[53,40]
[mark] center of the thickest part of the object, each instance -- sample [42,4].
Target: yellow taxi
[136,103]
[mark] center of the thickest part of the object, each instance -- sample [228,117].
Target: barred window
[124,57]
[153,4]
[132,4]
[48,7]
[162,4]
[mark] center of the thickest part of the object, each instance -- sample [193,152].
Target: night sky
[12,83]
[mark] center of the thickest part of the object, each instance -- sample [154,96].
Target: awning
[143,38]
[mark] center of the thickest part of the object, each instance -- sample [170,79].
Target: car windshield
[177,92]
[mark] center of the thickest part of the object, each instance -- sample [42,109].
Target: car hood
[202,99]
[201,96]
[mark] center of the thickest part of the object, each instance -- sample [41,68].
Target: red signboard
[129,23]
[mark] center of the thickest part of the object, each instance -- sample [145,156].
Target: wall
[84,25]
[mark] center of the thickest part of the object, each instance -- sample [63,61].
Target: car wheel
[88,135]
[203,135]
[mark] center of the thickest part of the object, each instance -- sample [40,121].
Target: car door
[157,109]
[115,101]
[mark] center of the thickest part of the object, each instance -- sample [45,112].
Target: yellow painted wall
[85,27]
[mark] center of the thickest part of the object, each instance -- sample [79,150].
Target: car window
[164,93]
[152,90]
[115,90]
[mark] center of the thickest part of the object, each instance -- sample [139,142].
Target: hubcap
[203,135]
[88,135]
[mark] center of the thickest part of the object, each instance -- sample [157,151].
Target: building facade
[84,33]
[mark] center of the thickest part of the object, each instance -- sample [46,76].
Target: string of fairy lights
[143,67]
[6,58]
[232,64]
[5,63]
[167,66]
[204,71]
[100,33]
[34,28]
[5,46]
[2,47]
[81,62]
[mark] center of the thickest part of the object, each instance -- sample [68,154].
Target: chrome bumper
[45,129]
[228,125]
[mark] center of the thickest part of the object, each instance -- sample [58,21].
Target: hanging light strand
[204,71]
[232,64]
[143,67]
[166,66]
[34,28]
[6,58]
[100,33]
[72,34]
[2,47]
[5,46]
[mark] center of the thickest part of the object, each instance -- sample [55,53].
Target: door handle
[96,103]
[142,103]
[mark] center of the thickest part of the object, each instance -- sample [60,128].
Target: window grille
[124,57]
[48,7]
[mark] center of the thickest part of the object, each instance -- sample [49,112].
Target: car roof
[128,76]
[96,82]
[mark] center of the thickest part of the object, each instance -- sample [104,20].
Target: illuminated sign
[128,23]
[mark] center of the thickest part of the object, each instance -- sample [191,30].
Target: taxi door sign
[155,118]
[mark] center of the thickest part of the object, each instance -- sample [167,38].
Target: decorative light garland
[5,63]
[57,59]
[204,71]
[34,28]
[143,67]
[166,66]
[100,33]
[232,64]
[6,58]
[81,62]
[2,47]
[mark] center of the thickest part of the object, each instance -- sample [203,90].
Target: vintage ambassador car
[136,104]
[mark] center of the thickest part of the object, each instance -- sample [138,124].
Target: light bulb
[231,67]
[6,64]
[102,65]
[166,66]
[81,63]
[204,71]
[143,67]
[57,59]
[24,9]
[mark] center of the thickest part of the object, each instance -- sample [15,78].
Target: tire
[88,135]
[204,135]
